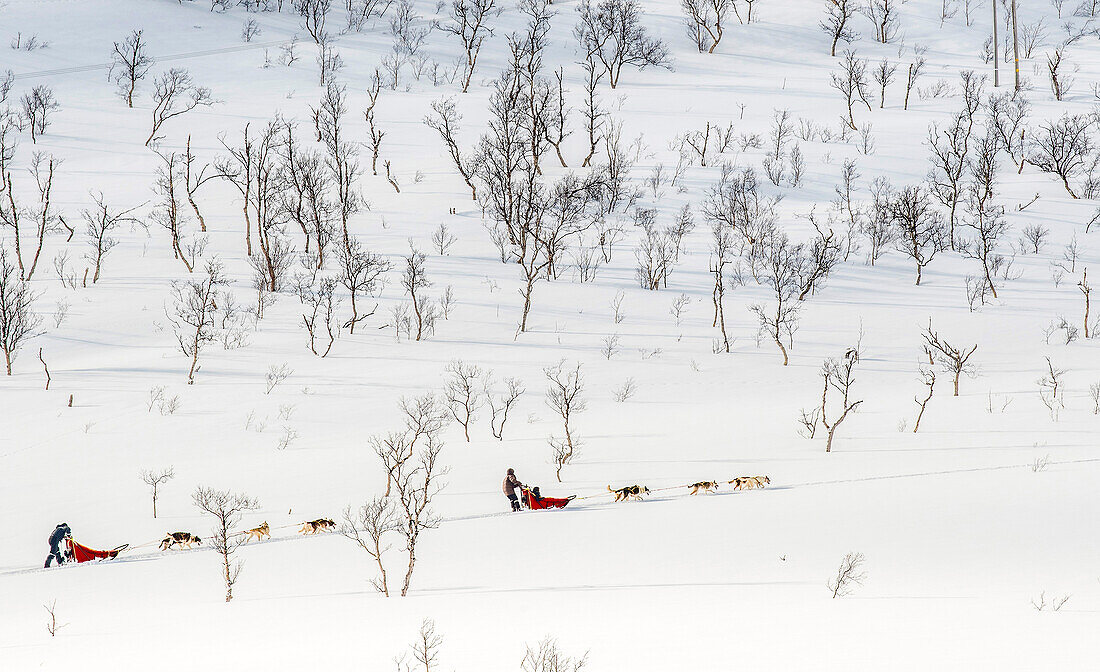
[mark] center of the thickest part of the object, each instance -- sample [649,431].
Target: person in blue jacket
[56,537]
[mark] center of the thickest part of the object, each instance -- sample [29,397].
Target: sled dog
[629,492]
[749,482]
[259,532]
[315,526]
[704,486]
[179,539]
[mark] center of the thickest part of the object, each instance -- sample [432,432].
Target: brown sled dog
[629,492]
[704,486]
[749,482]
[315,526]
[259,532]
[178,539]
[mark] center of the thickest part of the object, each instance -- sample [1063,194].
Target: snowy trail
[127,556]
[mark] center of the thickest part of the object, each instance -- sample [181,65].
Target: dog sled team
[187,540]
[63,549]
[532,497]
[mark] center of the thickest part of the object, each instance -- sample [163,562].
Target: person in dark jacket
[510,485]
[56,537]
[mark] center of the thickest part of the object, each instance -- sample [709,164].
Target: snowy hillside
[694,254]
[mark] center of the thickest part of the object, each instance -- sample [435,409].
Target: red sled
[536,503]
[81,553]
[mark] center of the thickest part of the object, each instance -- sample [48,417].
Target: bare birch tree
[130,62]
[368,526]
[837,22]
[564,391]
[194,312]
[954,360]
[611,31]
[154,479]
[838,377]
[100,222]
[18,321]
[918,225]
[706,21]
[462,393]
[469,23]
[175,93]
[227,509]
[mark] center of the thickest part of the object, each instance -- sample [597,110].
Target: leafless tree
[1007,120]
[852,83]
[130,62]
[837,22]
[913,73]
[462,393]
[1051,389]
[950,152]
[250,29]
[877,228]
[154,479]
[7,83]
[194,179]
[445,122]
[319,305]
[424,416]
[175,93]
[547,656]
[1086,290]
[706,20]
[838,376]
[782,267]
[884,15]
[361,272]
[425,648]
[611,31]
[955,361]
[416,485]
[928,379]
[1062,147]
[594,116]
[342,155]
[368,526]
[564,395]
[101,220]
[194,313]
[329,62]
[884,74]
[918,225]
[656,255]
[849,575]
[42,215]
[558,117]
[313,13]
[38,106]
[227,509]
[987,223]
[1060,82]
[499,407]
[359,12]
[167,211]
[415,280]
[469,23]
[52,626]
[18,321]
[409,32]
[306,197]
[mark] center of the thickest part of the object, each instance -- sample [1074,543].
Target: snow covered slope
[961,530]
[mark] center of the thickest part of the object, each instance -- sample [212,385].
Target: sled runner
[536,503]
[80,553]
